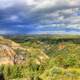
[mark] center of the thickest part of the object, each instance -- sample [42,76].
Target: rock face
[6,55]
[13,53]
[6,51]
[10,51]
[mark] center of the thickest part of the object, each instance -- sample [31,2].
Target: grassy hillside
[49,58]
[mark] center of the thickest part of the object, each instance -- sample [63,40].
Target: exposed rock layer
[9,50]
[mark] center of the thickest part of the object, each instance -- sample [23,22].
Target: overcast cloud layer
[39,16]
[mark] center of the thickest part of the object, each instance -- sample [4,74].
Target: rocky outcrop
[6,55]
[10,52]
[13,53]
[6,51]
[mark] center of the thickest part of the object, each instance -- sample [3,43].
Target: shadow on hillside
[2,76]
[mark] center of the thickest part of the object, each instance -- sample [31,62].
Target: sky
[39,16]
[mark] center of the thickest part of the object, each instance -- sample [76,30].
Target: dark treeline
[47,39]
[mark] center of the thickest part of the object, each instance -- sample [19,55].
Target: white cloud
[40,4]
[44,4]
[4,32]
[13,18]
[6,3]
[55,32]
[67,18]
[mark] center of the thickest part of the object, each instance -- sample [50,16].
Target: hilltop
[14,53]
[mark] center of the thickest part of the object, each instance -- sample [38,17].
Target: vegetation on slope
[48,58]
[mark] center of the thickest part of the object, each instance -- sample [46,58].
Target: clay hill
[13,53]
[10,52]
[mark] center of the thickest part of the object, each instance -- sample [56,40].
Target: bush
[16,71]
[70,61]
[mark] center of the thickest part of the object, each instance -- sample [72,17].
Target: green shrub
[70,61]
[16,71]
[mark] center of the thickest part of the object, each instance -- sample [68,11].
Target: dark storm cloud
[30,14]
